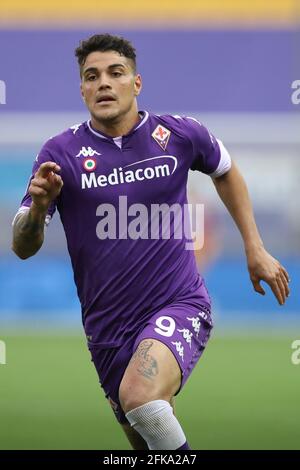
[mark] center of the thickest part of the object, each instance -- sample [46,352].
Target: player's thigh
[153,373]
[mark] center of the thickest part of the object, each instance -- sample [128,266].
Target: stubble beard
[112,117]
[108,117]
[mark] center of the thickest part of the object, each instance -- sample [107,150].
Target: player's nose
[104,84]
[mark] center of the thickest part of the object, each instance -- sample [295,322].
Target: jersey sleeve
[46,154]
[209,155]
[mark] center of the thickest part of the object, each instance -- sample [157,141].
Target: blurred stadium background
[231,64]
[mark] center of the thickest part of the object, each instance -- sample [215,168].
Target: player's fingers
[58,180]
[285,283]
[285,273]
[282,288]
[276,291]
[37,191]
[46,168]
[257,287]
[41,183]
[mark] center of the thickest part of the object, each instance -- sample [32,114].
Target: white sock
[157,425]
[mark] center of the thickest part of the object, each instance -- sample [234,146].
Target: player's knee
[156,423]
[134,394]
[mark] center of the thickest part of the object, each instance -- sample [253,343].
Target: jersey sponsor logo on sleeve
[161,135]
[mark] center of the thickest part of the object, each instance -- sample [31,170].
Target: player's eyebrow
[94,69]
[117,65]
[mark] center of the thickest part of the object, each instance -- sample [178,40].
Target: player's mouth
[105,99]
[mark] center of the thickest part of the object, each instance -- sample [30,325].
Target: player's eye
[116,74]
[90,78]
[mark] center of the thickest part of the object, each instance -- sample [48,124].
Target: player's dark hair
[103,43]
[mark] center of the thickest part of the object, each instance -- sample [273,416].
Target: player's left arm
[232,189]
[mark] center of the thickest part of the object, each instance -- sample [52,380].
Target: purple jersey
[121,280]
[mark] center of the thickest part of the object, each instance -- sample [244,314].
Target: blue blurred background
[231,64]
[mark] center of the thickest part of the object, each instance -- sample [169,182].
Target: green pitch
[244,394]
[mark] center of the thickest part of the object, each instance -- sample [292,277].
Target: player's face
[109,86]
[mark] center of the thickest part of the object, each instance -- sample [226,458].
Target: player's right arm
[28,228]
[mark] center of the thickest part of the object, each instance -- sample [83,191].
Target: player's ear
[137,84]
[81,92]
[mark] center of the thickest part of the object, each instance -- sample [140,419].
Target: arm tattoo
[146,364]
[27,227]
[28,234]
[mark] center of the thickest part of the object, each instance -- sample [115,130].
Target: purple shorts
[183,326]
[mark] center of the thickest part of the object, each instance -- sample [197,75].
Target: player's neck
[117,128]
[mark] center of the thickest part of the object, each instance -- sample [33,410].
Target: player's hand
[46,185]
[263,267]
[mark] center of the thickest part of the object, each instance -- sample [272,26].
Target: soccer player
[145,309]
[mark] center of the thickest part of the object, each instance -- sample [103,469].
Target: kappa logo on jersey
[187,335]
[179,349]
[195,324]
[89,164]
[75,128]
[87,152]
[161,135]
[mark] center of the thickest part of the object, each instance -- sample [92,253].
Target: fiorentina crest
[161,135]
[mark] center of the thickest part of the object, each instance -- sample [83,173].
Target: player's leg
[135,439]
[151,379]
